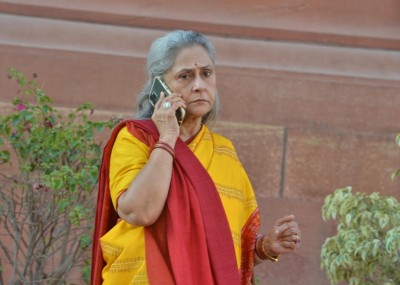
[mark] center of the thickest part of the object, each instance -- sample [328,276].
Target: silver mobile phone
[159,86]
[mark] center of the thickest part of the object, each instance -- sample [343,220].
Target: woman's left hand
[283,237]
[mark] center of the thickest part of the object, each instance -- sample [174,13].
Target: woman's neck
[189,128]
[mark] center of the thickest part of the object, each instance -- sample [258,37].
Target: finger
[287,229]
[290,229]
[285,219]
[175,97]
[167,105]
[293,238]
[297,240]
[288,244]
[175,105]
[291,232]
[176,100]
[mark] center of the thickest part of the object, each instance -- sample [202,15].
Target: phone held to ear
[159,86]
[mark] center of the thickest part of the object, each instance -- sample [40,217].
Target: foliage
[366,248]
[397,172]
[46,203]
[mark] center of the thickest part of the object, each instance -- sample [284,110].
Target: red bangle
[166,147]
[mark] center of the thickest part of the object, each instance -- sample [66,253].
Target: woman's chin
[197,115]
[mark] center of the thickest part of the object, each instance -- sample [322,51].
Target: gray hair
[161,57]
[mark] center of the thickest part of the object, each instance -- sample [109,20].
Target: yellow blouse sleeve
[128,157]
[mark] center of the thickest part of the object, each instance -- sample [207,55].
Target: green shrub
[366,248]
[47,204]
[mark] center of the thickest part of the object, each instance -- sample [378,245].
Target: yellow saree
[123,247]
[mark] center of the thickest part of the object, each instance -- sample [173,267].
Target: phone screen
[155,92]
[156,89]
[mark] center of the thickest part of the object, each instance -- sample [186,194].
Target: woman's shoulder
[126,137]
[220,139]
[124,128]
[124,133]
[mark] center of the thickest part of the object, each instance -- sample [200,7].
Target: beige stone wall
[310,90]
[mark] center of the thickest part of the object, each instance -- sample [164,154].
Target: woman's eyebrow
[190,69]
[184,69]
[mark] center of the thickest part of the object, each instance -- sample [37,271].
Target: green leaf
[395,174]
[367,243]
[85,106]
[348,219]
[85,241]
[4,156]
[398,139]
[53,180]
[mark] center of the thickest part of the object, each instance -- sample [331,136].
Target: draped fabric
[106,216]
[194,239]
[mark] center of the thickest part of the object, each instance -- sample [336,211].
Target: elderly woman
[185,211]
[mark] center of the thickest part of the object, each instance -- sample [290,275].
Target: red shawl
[191,240]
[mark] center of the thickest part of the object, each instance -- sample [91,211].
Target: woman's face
[193,76]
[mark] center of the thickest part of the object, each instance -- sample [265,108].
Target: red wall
[309,90]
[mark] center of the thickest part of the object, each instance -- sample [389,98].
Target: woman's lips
[200,101]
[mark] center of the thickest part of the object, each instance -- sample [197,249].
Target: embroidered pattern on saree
[206,137]
[110,249]
[127,264]
[140,279]
[237,239]
[251,203]
[225,151]
[230,192]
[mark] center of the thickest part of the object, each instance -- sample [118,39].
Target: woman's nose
[198,84]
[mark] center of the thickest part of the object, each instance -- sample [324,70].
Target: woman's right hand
[142,203]
[165,119]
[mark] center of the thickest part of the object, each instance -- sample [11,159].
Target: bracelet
[169,147]
[261,251]
[166,147]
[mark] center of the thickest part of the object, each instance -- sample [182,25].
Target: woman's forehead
[192,58]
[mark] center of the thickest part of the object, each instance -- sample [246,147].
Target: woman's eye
[207,73]
[184,76]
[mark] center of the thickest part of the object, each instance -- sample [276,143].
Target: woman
[188,213]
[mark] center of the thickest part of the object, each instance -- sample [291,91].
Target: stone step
[351,23]
[284,84]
